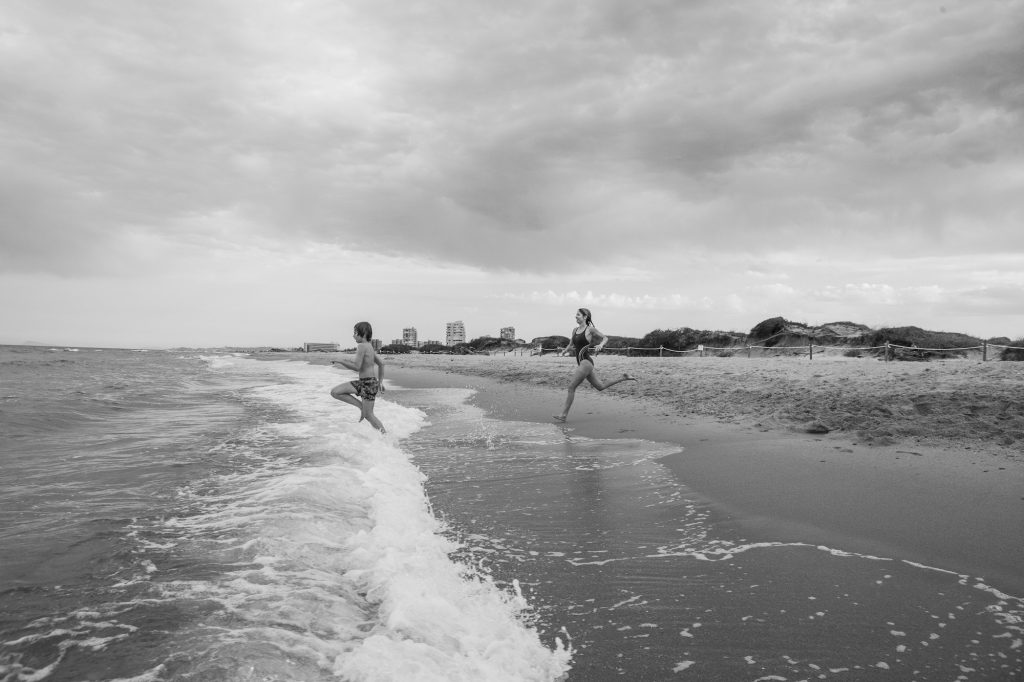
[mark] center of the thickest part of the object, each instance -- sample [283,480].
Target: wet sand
[935,489]
[741,548]
[962,404]
[616,530]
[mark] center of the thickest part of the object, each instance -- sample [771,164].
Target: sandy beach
[958,404]
[691,524]
[922,460]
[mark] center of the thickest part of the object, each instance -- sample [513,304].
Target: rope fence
[891,350]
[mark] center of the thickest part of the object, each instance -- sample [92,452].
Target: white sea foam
[153,675]
[347,564]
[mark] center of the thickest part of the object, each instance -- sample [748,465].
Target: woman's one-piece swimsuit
[582,346]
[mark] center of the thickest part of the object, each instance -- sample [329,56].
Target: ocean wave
[333,556]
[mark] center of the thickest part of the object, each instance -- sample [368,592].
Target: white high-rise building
[409,337]
[456,333]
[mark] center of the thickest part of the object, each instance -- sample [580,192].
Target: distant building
[310,347]
[376,343]
[456,333]
[409,337]
[508,333]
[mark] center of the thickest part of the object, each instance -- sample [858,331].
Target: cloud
[777,289]
[997,301]
[699,163]
[959,301]
[615,301]
[533,137]
[865,292]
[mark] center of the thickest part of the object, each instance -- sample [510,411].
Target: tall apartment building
[508,333]
[409,337]
[456,333]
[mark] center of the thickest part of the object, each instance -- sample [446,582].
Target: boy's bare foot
[558,418]
[628,377]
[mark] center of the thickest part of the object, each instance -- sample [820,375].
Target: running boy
[369,382]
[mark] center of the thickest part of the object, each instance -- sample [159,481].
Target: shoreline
[964,405]
[926,507]
[937,502]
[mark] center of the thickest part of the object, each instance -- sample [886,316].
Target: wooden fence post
[887,351]
[810,348]
[748,351]
[984,351]
[661,350]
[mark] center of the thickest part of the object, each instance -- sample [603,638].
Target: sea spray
[436,619]
[430,617]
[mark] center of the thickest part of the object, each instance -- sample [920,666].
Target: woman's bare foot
[627,377]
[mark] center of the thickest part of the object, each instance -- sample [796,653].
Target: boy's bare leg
[343,392]
[368,415]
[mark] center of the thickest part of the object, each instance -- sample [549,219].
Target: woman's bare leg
[600,385]
[582,372]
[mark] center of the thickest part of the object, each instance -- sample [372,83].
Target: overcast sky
[223,172]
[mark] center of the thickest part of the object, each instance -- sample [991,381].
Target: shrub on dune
[1015,352]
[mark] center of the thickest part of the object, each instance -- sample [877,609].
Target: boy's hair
[364,330]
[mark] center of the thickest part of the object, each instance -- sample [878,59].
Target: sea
[188,515]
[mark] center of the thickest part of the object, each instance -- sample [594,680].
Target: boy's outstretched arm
[353,364]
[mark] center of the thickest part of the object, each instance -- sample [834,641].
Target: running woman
[581,341]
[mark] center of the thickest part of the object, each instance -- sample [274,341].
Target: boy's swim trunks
[366,387]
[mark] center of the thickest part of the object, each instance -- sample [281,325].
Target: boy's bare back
[365,359]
